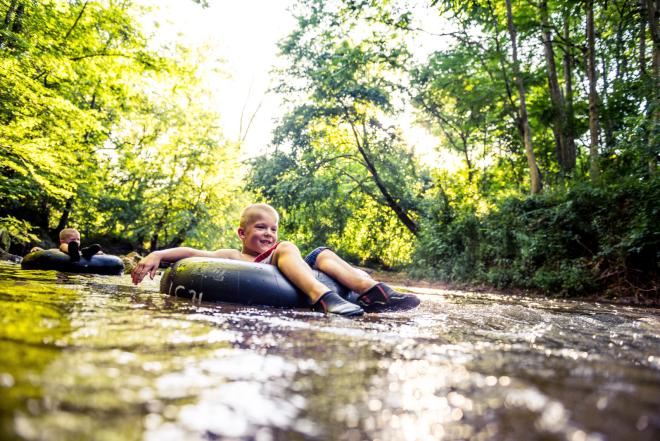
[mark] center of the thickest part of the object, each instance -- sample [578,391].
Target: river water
[94,357]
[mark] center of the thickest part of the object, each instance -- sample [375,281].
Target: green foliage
[102,131]
[320,203]
[342,175]
[169,174]
[14,230]
[352,67]
[463,104]
[582,241]
[65,69]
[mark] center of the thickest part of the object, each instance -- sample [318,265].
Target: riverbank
[402,278]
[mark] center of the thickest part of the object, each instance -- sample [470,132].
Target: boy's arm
[149,265]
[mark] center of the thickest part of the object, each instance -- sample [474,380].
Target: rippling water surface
[93,357]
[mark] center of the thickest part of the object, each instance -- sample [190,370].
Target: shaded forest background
[550,107]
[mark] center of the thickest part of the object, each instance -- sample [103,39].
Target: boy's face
[260,233]
[71,237]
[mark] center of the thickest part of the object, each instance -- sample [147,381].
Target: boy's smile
[259,235]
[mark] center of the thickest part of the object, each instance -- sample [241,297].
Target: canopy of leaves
[103,132]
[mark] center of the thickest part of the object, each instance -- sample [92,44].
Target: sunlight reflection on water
[97,358]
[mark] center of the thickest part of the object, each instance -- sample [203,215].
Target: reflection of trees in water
[34,321]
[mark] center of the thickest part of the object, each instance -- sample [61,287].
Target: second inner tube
[104,264]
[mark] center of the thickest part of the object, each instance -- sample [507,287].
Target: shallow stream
[94,357]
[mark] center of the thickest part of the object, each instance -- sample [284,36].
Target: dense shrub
[586,240]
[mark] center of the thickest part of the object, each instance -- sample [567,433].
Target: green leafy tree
[338,150]
[102,131]
[66,68]
[170,176]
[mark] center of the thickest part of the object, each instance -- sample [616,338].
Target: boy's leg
[288,259]
[72,250]
[90,251]
[374,296]
[340,270]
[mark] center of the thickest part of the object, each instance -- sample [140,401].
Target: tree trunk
[178,238]
[17,24]
[560,120]
[64,219]
[153,243]
[9,19]
[642,38]
[10,14]
[391,202]
[43,214]
[534,173]
[501,59]
[181,235]
[594,166]
[75,23]
[167,208]
[604,111]
[571,149]
[468,161]
[652,11]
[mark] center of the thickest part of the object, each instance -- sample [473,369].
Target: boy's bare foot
[88,252]
[381,297]
[331,302]
[73,252]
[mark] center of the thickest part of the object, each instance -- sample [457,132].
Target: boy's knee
[321,257]
[324,253]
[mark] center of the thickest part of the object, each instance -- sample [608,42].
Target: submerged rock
[4,255]
[130,261]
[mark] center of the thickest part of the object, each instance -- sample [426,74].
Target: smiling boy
[258,230]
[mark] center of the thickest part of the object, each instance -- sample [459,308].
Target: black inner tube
[104,264]
[235,281]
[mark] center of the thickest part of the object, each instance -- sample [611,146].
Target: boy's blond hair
[67,232]
[251,212]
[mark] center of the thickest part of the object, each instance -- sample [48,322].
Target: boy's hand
[148,265]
